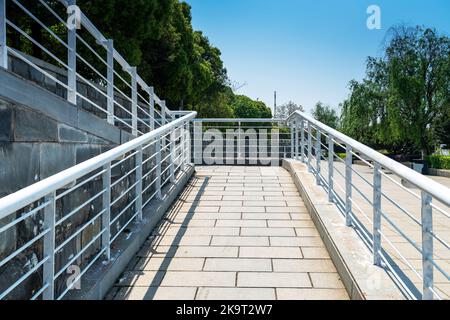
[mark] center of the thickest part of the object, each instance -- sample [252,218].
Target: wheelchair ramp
[235,233]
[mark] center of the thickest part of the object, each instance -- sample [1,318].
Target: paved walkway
[235,233]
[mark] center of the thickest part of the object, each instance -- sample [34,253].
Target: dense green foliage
[244,107]
[156,36]
[437,161]
[403,104]
[326,115]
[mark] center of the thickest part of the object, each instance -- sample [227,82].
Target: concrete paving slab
[233,235]
[224,294]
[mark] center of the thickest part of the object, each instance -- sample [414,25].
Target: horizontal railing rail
[121,93]
[77,214]
[242,120]
[240,141]
[407,231]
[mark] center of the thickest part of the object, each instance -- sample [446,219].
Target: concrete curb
[101,277]
[439,172]
[352,258]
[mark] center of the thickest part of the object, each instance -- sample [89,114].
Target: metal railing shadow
[161,232]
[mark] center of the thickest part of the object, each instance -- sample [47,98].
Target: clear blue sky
[306,50]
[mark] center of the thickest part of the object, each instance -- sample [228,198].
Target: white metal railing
[376,202]
[240,141]
[145,109]
[78,214]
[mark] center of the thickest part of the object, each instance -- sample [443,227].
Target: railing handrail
[249,120]
[433,188]
[23,197]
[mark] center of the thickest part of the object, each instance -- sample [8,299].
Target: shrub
[437,161]
[341,155]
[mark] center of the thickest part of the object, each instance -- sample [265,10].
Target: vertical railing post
[377,214]
[318,155]
[302,141]
[3,46]
[198,143]
[427,247]
[158,167]
[296,142]
[134,98]
[173,139]
[163,112]
[139,156]
[106,217]
[348,186]
[163,122]
[72,61]
[293,155]
[110,78]
[151,92]
[49,247]
[183,146]
[309,147]
[188,143]
[330,168]
[239,143]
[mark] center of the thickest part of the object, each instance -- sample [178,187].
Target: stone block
[315,253]
[311,294]
[55,158]
[31,126]
[19,167]
[252,294]
[267,216]
[262,265]
[69,134]
[36,76]
[199,279]
[140,279]
[304,265]
[20,68]
[280,232]
[98,127]
[296,242]
[171,264]
[240,241]
[86,152]
[242,223]
[206,252]
[273,280]
[6,122]
[166,240]
[36,98]
[326,280]
[91,139]
[156,293]
[270,252]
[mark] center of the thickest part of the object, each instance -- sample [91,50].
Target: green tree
[326,115]
[155,35]
[419,72]
[244,107]
[404,100]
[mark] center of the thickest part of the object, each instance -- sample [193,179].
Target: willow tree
[406,94]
